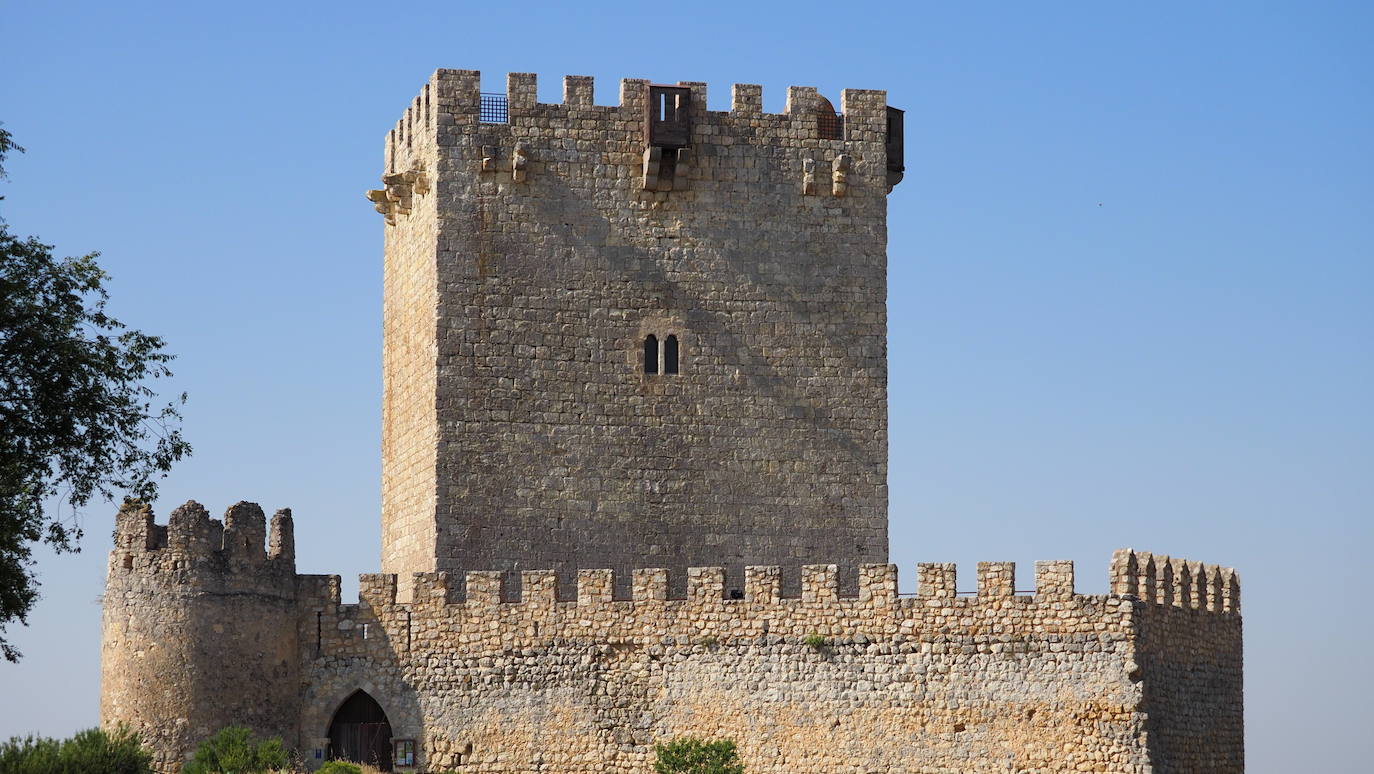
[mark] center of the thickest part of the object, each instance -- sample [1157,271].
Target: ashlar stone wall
[410,335]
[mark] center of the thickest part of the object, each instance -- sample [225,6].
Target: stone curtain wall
[555,449]
[204,628]
[199,628]
[937,682]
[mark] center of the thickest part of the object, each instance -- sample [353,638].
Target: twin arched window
[666,356]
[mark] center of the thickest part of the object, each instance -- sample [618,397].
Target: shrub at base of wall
[690,755]
[93,751]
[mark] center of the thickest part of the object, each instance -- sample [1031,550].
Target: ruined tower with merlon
[631,335]
[199,626]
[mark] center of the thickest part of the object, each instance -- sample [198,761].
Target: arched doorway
[360,732]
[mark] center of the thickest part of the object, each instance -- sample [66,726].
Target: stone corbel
[383,205]
[682,167]
[808,177]
[419,181]
[653,163]
[839,174]
[665,169]
[399,192]
[519,162]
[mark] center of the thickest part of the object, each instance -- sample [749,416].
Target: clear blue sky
[1132,267]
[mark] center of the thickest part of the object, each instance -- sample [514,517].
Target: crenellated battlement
[457,94]
[479,607]
[1163,580]
[242,542]
[819,584]
[511,136]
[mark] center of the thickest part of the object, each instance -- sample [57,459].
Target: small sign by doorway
[403,752]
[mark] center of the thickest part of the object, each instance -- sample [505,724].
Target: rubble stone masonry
[1144,680]
[199,627]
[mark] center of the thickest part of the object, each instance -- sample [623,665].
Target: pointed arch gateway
[360,732]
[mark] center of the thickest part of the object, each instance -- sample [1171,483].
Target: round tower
[199,628]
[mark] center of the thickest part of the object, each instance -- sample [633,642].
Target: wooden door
[360,732]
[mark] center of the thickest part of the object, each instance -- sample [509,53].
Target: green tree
[233,750]
[77,418]
[690,755]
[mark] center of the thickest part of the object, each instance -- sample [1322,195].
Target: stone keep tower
[637,335]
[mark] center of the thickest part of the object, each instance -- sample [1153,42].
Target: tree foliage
[690,755]
[77,418]
[233,750]
[93,751]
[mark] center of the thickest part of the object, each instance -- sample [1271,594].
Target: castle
[634,489]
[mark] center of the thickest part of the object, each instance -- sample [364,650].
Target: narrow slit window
[651,354]
[670,355]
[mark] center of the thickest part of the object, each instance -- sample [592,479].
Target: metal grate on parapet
[830,126]
[493,109]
